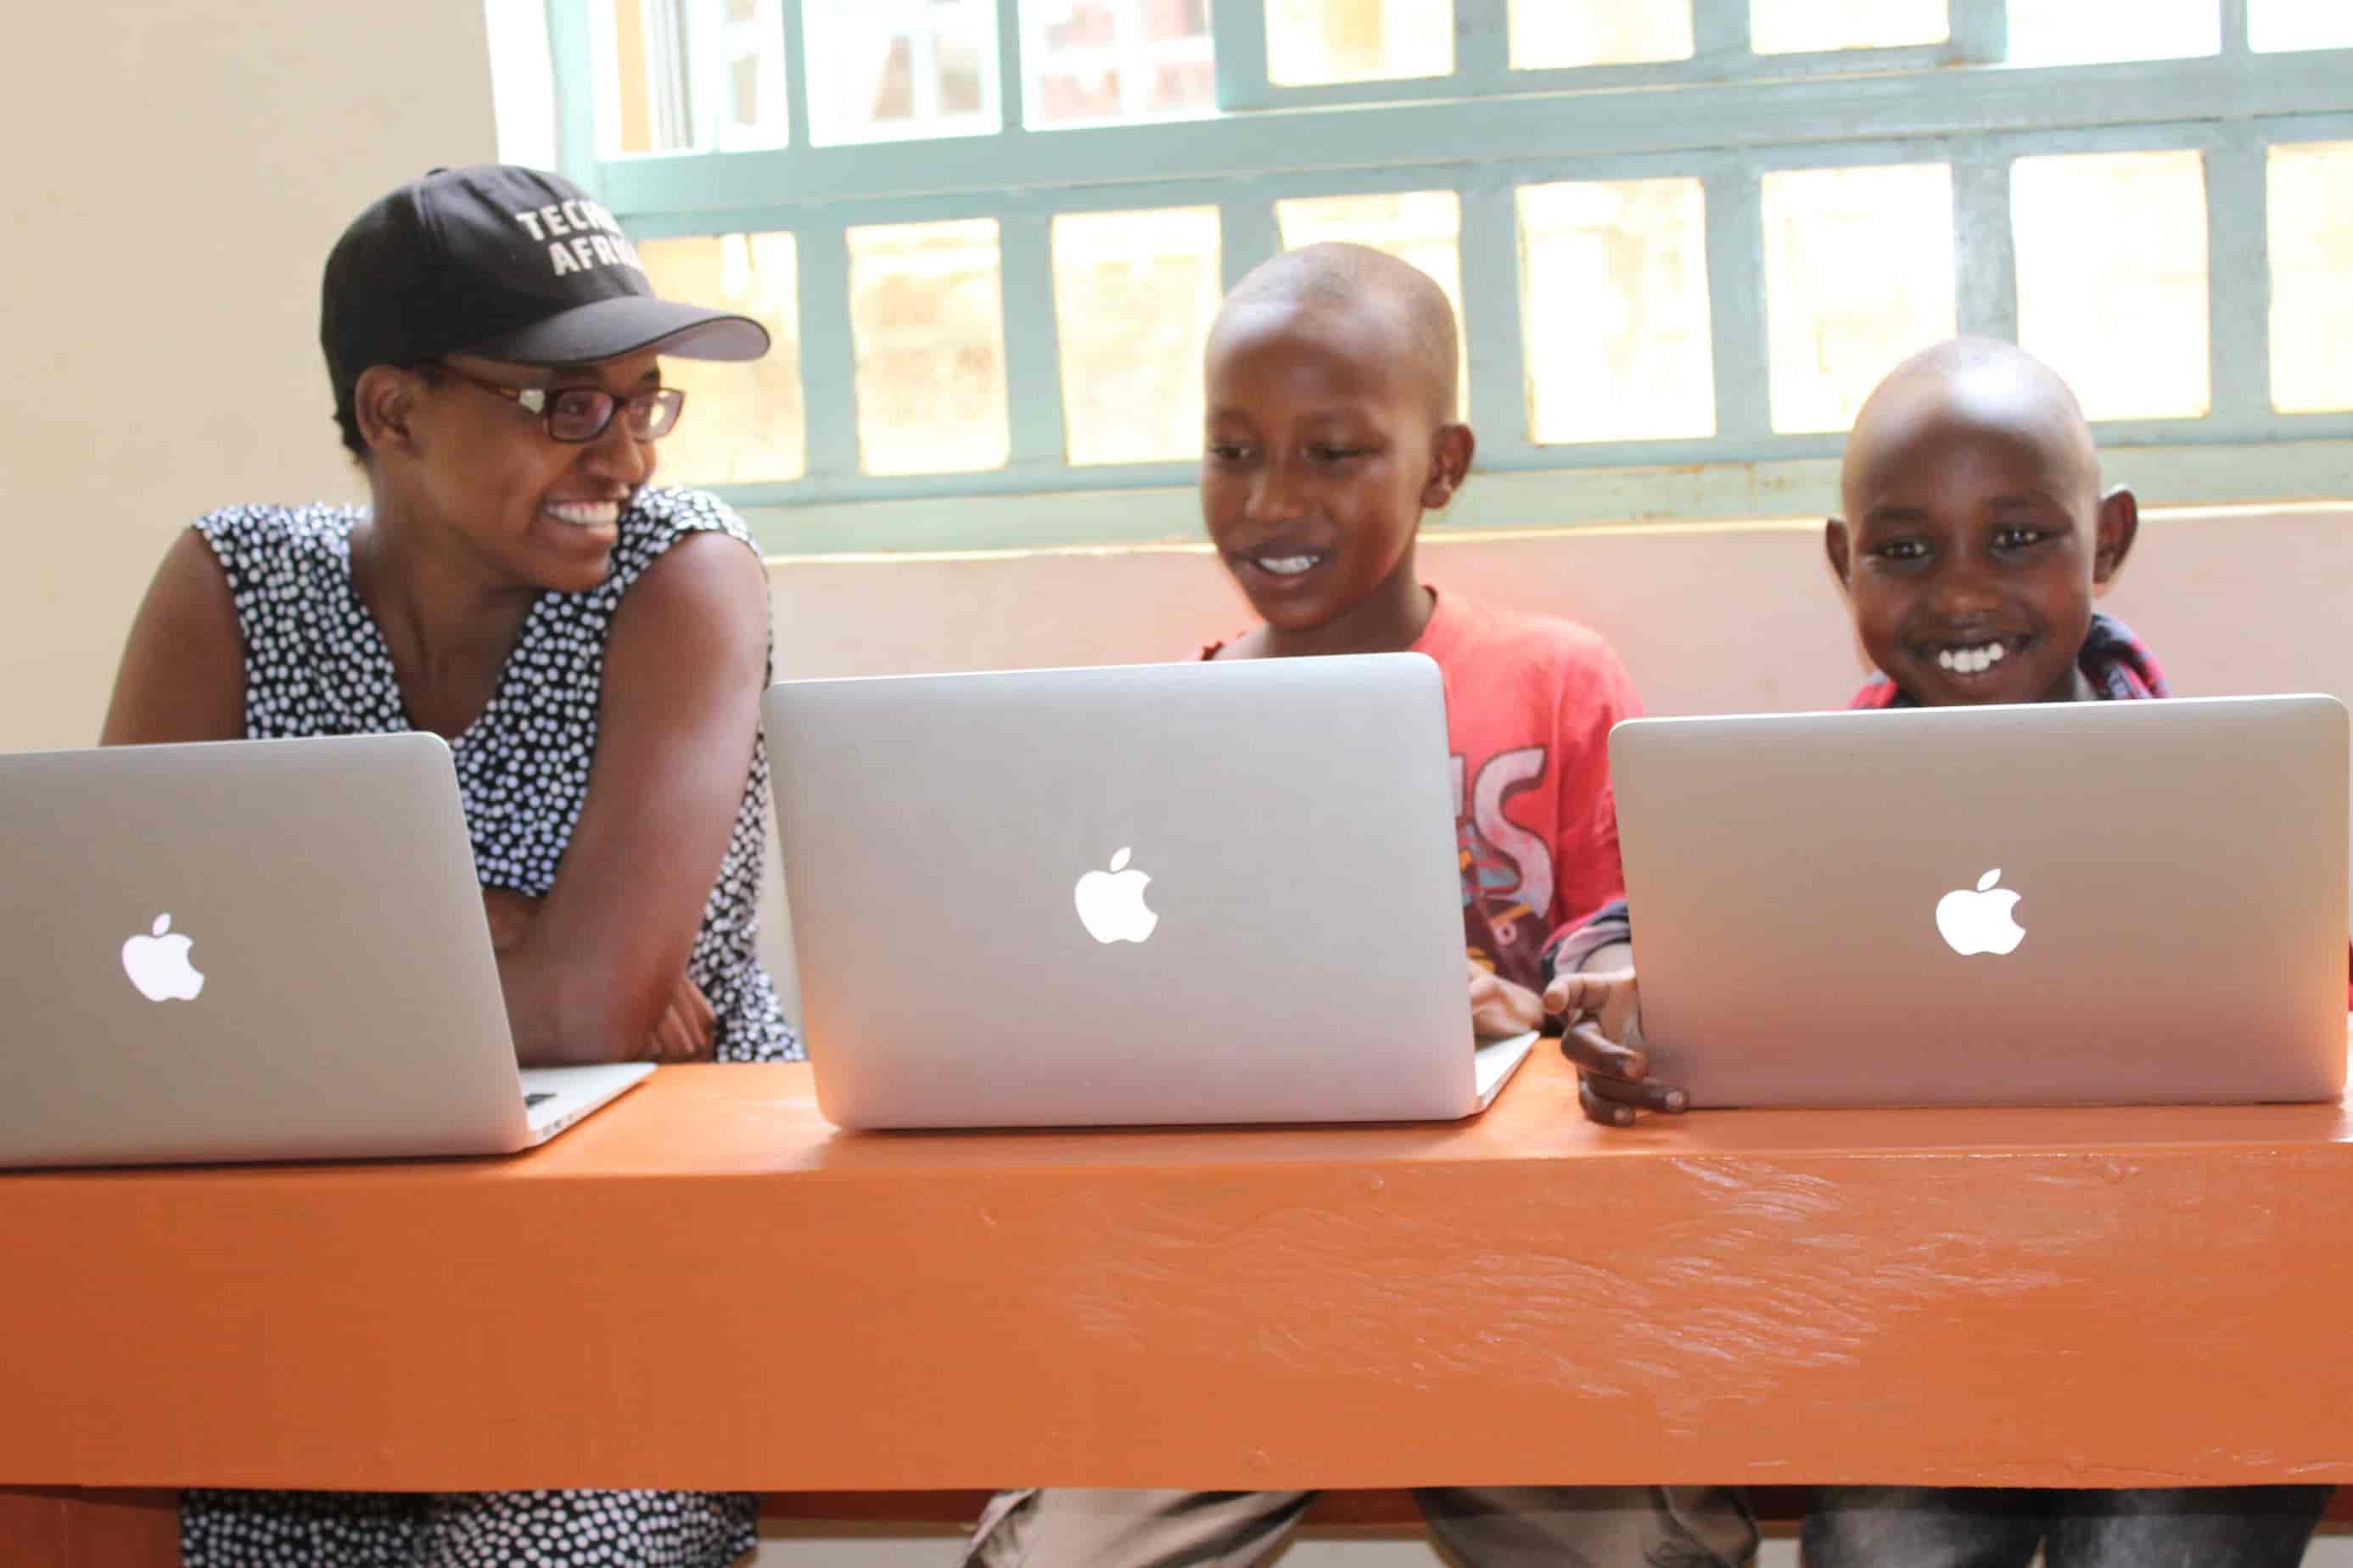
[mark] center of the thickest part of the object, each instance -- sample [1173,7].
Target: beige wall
[178,173]
[1709,619]
[1742,617]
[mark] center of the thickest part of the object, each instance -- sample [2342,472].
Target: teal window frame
[1728,116]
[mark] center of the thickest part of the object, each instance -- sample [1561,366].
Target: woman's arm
[593,977]
[183,672]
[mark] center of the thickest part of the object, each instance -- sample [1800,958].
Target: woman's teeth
[585,513]
[1285,565]
[1972,660]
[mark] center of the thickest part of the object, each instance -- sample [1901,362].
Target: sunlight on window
[927,313]
[2299,25]
[641,97]
[747,75]
[674,79]
[1800,27]
[1312,42]
[1424,228]
[2112,279]
[1615,310]
[1553,35]
[1858,277]
[2085,32]
[895,69]
[2312,277]
[743,423]
[1091,61]
[1133,296]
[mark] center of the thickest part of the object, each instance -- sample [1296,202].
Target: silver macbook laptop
[1197,893]
[255,950]
[2066,903]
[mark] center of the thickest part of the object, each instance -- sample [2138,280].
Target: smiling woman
[593,649]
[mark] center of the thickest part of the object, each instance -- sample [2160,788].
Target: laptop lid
[1197,893]
[2067,902]
[244,950]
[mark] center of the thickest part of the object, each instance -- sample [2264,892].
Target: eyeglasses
[577,414]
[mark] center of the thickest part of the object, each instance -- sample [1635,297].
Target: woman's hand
[687,1029]
[677,721]
[511,914]
[687,1026]
[1602,1017]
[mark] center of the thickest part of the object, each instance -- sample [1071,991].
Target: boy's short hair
[1353,277]
[1941,367]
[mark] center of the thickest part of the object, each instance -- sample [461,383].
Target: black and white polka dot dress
[316,664]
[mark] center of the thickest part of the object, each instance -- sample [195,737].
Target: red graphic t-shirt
[1529,703]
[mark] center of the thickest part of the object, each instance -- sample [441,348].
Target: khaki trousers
[1482,1527]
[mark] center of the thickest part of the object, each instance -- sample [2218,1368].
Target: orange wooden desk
[708,1286]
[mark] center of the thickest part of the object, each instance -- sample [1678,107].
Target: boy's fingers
[1608,1112]
[1567,995]
[1588,1047]
[1646,1095]
[1571,995]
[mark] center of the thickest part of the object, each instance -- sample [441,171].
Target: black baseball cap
[508,263]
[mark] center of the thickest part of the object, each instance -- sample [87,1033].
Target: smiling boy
[1331,429]
[1975,538]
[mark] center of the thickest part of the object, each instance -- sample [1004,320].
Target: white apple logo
[1111,903]
[1980,922]
[158,964]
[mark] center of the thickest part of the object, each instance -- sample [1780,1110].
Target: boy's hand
[1500,1009]
[1601,1012]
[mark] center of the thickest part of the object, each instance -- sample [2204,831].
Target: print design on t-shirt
[1507,868]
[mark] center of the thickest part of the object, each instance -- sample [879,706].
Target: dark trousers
[1984,1527]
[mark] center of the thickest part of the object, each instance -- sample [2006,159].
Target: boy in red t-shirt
[1331,429]
[1529,703]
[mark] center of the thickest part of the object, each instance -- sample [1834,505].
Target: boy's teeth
[1972,660]
[1285,565]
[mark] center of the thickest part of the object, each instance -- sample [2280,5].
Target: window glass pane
[1858,277]
[1096,60]
[2300,24]
[675,75]
[642,79]
[2112,277]
[1424,228]
[1133,296]
[1799,26]
[1614,285]
[894,69]
[2074,32]
[1310,42]
[927,313]
[740,66]
[743,423]
[1551,34]
[744,85]
[2311,275]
